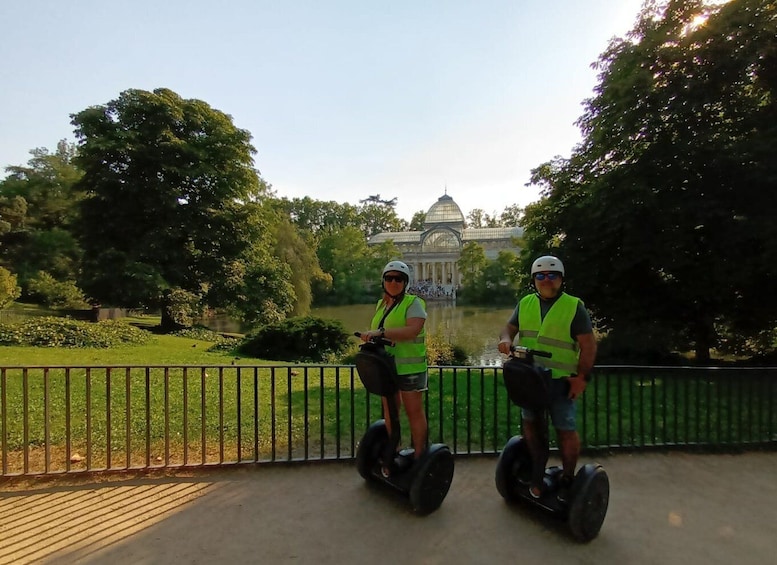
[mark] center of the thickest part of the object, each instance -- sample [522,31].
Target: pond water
[475,329]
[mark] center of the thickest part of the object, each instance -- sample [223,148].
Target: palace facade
[432,254]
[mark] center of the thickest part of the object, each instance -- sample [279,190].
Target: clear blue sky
[344,98]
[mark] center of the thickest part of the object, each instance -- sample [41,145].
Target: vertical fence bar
[321,410]
[289,422]
[166,416]
[4,420]
[221,414]
[272,412]
[46,422]
[203,415]
[495,388]
[239,400]
[185,418]
[88,385]
[128,415]
[26,421]
[441,408]
[256,414]
[338,422]
[68,435]
[353,410]
[108,418]
[482,412]
[147,399]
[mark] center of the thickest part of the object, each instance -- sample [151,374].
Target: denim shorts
[416,382]
[563,410]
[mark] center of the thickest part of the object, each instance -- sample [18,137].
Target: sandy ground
[664,509]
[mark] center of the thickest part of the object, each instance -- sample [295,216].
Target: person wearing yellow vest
[552,320]
[400,317]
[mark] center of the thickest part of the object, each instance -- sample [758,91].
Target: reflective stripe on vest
[550,334]
[410,356]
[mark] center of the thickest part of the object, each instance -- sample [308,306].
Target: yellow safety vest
[410,356]
[550,334]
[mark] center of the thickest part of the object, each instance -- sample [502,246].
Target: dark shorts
[563,410]
[416,382]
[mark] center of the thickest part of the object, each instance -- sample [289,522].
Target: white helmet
[398,266]
[547,263]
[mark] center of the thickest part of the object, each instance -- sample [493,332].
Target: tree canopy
[664,214]
[172,201]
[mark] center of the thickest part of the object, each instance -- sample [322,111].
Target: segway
[426,481]
[585,504]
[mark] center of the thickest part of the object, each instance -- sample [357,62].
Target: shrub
[48,291]
[297,339]
[9,290]
[47,331]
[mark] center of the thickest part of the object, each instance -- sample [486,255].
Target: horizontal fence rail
[72,419]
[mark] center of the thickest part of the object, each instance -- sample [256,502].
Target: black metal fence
[75,419]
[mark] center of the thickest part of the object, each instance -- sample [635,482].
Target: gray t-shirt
[581,323]
[416,310]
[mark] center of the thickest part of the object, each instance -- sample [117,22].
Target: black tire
[590,500]
[432,481]
[370,448]
[513,469]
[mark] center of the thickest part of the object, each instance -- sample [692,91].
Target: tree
[511,216]
[39,205]
[471,263]
[417,222]
[377,218]
[664,214]
[172,201]
[9,290]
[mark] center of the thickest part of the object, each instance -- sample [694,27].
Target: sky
[344,99]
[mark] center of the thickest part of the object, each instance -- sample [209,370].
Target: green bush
[297,339]
[48,331]
[9,290]
[48,291]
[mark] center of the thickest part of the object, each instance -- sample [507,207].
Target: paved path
[664,509]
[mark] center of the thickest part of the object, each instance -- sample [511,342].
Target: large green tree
[172,201]
[39,207]
[664,214]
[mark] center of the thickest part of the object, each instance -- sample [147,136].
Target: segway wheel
[370,448]
[432,480]
[513,469]
[589,504]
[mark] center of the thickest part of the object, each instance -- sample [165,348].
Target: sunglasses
[394,278]
[543,276]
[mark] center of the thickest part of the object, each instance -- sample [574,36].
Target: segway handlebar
[523,352]
[377,340]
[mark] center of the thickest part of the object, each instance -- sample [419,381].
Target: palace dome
[444,211]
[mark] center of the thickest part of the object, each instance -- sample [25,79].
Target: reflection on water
[473,328]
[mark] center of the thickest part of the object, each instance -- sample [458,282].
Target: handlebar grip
[378,340]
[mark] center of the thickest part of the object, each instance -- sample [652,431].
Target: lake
[474,328]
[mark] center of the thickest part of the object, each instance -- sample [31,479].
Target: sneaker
[565,485]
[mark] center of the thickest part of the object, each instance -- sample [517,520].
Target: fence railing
[73,419]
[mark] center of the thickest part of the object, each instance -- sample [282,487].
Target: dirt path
[664,509]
